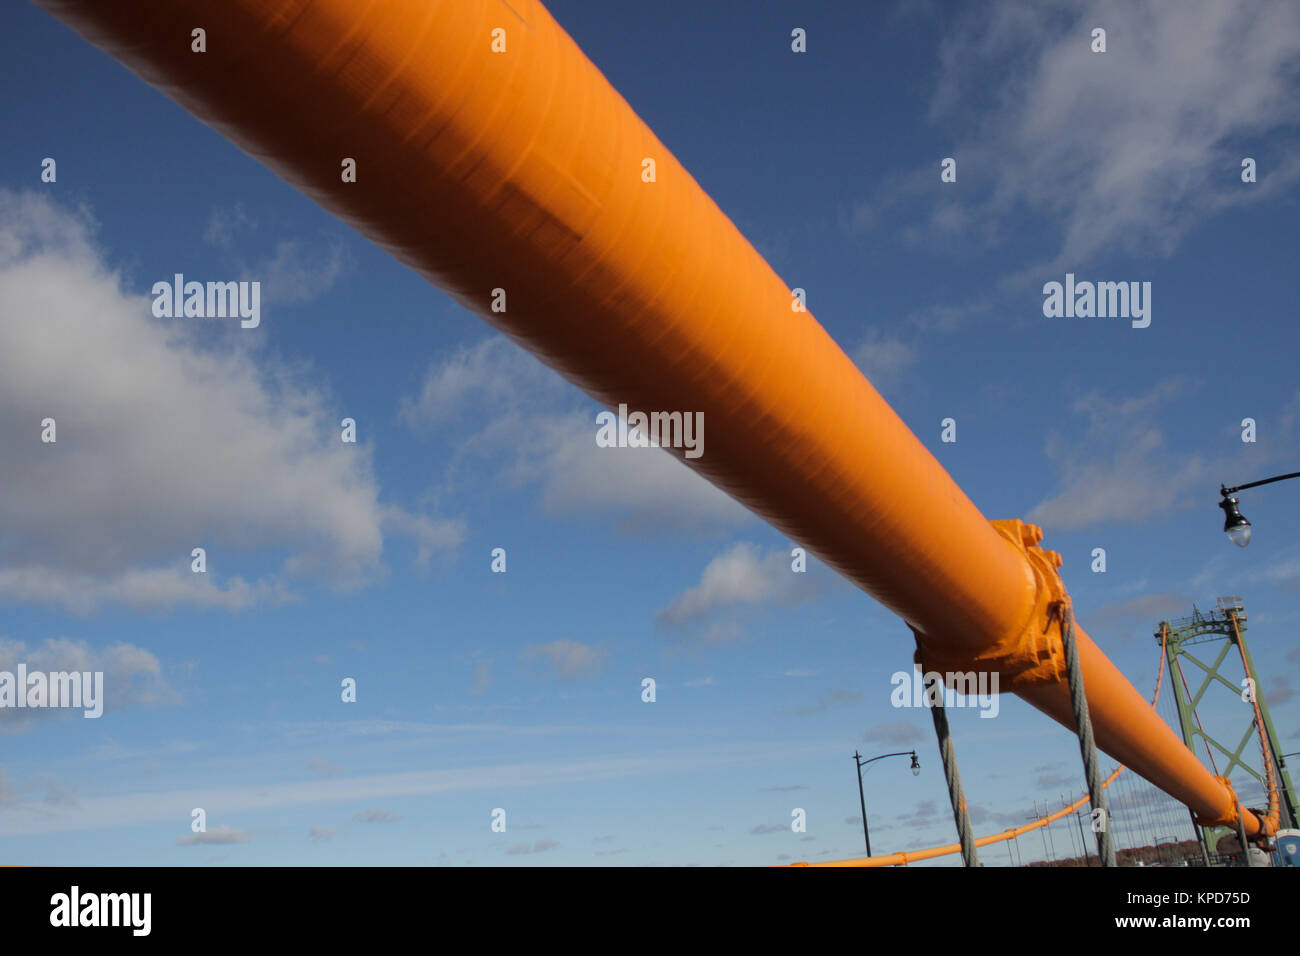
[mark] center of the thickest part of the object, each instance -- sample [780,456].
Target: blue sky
[522,690]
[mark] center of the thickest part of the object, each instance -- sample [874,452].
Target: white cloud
[431,535]
[151,588]
[493,372]
[172,434]
[743,576]
[883,359]
[1128,148]
[132,676]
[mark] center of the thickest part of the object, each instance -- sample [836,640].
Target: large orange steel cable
[490,153]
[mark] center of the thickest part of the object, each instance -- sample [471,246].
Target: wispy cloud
[569,660]
[894,733]
[227,225]
[295,272]
[323,768]
[217,835]
[127,809]
[922,815]
[378,816]
[835,697]
[538,847]
[1127,149]
[1137,616]
[332,730]
[884,359]
[298,272]
[744,577]
[1121,469]
[536,430]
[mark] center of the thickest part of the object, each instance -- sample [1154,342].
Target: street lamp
[1235,524]
[862,800]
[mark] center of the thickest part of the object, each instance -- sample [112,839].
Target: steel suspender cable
[1087,745]
[961,816]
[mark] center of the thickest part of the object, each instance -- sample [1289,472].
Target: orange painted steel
[524,170]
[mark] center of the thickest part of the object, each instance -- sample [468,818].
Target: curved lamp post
[1235,524]
[862,801]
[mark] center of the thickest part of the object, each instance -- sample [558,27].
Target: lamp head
[916,767]
[1235,524]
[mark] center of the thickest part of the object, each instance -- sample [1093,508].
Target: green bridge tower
[1226,626]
